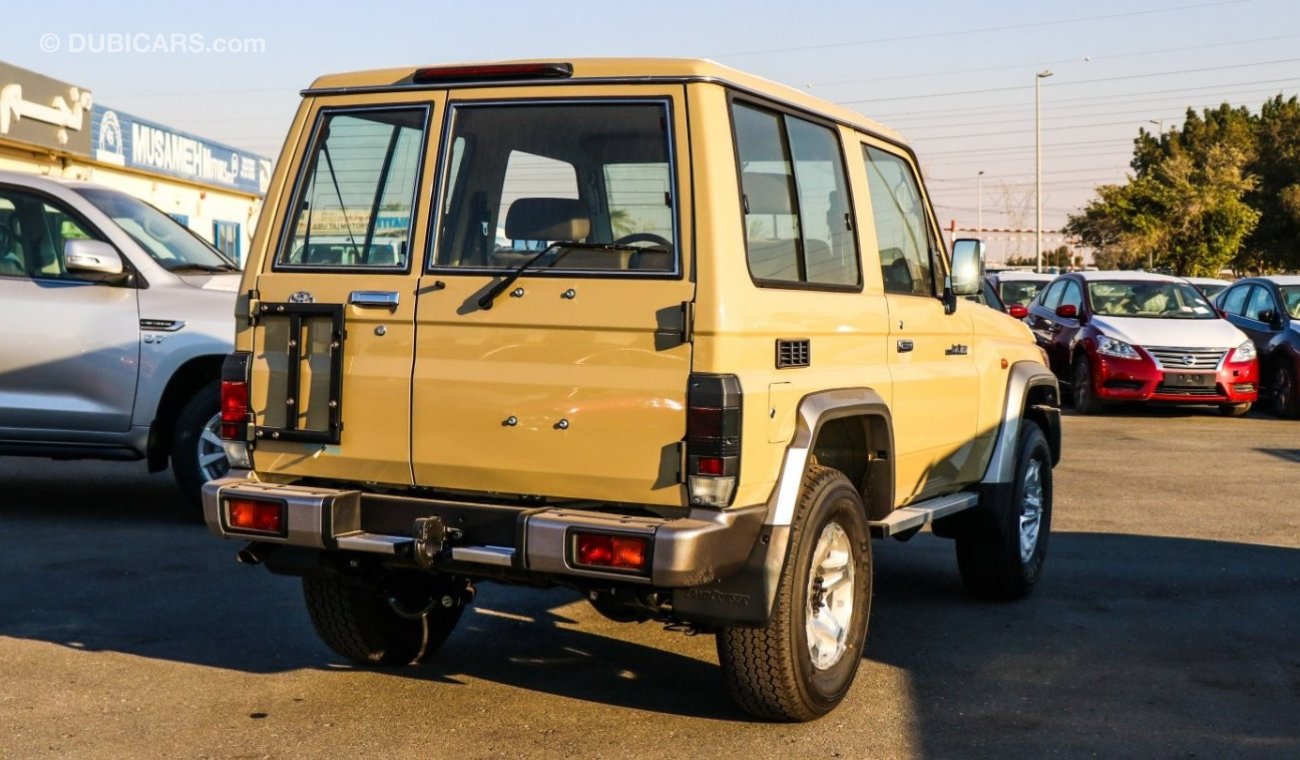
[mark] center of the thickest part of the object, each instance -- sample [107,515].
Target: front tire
[1084,396]
[801,664]
[1283,398]
[1234,410]
[197,454]
[1005,562]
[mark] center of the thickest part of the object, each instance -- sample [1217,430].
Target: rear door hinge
[688,321]
[254,306]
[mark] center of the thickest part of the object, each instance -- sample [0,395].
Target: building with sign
[56,129]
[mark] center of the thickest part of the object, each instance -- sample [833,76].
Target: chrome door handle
[904,346]
[383,299]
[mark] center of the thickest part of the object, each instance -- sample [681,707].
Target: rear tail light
[612,551]
[234,409]
[236,416]
[712,438]
[255,516]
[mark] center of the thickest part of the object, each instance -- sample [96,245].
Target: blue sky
[957,78]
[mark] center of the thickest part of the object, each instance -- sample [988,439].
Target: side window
[1052,296]
[1073,295]
[225,238]
[797,223]
[355,199]
[531,175]
[1234,301]
[33,232]
[901,229]
[1261,300]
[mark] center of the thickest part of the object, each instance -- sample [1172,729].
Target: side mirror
[1271,318]
[91,257]
[1067,311]
[967,266]
[1018,311]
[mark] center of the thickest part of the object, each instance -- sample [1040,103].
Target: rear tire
[197,455]
[1007,561]
[358,621]
[1081,390]
[801,664]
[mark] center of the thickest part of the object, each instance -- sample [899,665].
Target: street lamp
[1160,124]
[979,204]
[1038,168]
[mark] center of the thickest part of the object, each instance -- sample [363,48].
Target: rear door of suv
[336,298]
[551,354]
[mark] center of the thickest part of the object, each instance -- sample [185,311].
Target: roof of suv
[628,70]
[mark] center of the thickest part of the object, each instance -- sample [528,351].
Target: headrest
[767,193]
[547,219]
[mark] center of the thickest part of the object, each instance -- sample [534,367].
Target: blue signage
[119,138]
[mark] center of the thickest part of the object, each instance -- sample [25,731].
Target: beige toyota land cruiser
[657,330]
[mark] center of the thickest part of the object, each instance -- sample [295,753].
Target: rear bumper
[1117,379]
[699,548]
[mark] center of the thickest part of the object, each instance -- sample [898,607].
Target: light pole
[1160,124]
[1038,168]
[979,204]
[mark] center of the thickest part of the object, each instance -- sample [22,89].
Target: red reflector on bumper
[255,516]
[620,552]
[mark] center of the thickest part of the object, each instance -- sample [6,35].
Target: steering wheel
[645,237]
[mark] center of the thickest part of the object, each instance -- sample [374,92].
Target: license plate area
[302,345]
[1190,379]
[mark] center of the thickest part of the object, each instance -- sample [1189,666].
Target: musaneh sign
[136,143]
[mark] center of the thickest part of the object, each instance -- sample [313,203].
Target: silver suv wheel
[1031,509]
[830,597]
[211,454]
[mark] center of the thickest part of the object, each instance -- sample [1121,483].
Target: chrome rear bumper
[703,546]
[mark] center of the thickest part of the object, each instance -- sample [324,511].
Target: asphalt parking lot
[1168,625]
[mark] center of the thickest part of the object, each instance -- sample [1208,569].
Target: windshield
[1020,291]
[1148,299]
[1291,299]
[167,241]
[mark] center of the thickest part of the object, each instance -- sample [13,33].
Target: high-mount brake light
[497,72]
[713,418]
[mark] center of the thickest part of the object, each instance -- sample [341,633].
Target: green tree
[1275,241]
[1184,208]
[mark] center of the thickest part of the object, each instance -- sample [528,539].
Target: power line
[1074,83]
[979,30]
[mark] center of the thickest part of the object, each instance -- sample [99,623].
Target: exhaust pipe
[254,554]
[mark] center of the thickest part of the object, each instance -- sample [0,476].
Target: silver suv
[114,320]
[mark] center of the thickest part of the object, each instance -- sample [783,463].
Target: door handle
[383,299]
[904,346]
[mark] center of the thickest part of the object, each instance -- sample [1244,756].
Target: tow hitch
[432,537]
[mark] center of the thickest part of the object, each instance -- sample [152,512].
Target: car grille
[1191,392]
[1176,358]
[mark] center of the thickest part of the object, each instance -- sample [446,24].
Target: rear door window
[584,186]
[798,227]
[355,199]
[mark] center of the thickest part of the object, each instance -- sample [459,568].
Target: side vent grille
[794,352]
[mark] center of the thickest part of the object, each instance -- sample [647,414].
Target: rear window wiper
[485,301]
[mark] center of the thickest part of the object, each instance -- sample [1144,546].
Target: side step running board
[916,515]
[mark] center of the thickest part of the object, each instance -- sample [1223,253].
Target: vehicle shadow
[1132,646]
